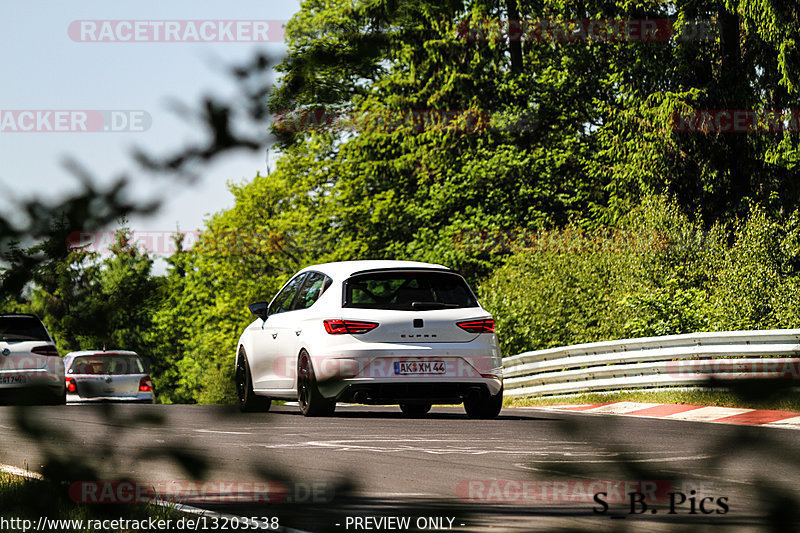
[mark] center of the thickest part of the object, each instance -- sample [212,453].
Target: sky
[50,64]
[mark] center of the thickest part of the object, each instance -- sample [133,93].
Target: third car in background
[30,369]
[95,376]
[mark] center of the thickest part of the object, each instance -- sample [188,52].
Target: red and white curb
[693,413]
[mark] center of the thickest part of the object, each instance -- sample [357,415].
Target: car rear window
[407,291]
[22,328]
[106,364]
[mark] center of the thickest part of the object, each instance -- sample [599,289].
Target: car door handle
[274,335]
[298,332]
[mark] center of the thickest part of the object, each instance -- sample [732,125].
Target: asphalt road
[528,470]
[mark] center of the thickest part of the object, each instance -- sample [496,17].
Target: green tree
[413,130]
[89,302]
[604,112]
[61,288]
[244,255]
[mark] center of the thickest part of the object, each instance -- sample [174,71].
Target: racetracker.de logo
[585,30]
[116,492]
[335,368]
[197,492]
[176,31]
[151,242]
[23,368]
[407,121]
[714,121]
[73,121]
[760,368]
[560,491]
[387,121]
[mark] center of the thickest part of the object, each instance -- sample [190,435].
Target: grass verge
[24,499]
[780,399]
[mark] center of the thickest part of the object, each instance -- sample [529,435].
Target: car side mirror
[259,309]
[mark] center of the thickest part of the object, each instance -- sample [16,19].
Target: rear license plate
[419,367]
[13,380]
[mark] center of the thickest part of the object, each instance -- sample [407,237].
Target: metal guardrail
[676,360]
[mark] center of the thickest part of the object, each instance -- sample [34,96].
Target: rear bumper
[386,391]
[379,363]
[368,372]
[141,398]
[39,377]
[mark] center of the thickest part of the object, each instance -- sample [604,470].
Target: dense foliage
[553,171]
[660,273]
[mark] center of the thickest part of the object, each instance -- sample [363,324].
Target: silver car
[30,368]
[103,376]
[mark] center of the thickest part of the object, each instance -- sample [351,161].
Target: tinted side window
[283,301]
[312,289]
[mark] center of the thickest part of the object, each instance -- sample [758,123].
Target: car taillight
[495,373]
[353,327]
[145,384]
[71,385]
[485,325]
[46,349]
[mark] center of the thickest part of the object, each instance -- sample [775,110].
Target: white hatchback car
[371,332]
